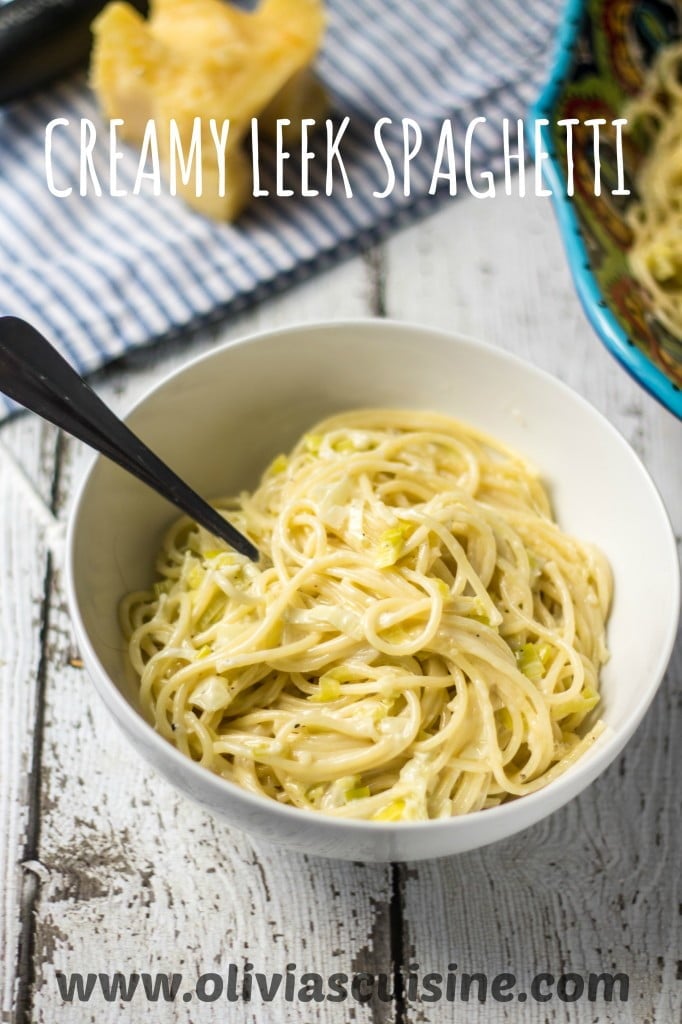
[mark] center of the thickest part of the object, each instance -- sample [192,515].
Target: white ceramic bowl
[222,418]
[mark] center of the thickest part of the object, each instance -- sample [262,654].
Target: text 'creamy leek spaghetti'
[655,255]
[420,638]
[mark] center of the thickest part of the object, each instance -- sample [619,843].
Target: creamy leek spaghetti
[655,256]
[419,640]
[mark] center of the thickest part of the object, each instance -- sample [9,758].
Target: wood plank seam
[397,926]
[376,268]
[56,476]
[25,966]
[27,452]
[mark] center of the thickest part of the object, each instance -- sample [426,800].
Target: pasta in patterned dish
[655,255]
[419,640]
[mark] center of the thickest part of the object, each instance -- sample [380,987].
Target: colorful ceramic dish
[604,50]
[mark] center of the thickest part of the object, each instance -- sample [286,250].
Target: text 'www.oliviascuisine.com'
[243,983]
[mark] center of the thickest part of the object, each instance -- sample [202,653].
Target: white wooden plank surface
[129,876]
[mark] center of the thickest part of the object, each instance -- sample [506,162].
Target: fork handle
[34,374]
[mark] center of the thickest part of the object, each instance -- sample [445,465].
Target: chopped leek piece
[479,613]
[337,791]
[587,699]
[392,544]
[212,694]
[204,652]
[529,662]
[333,502]
[213,612]
[330,689]
[278,465]
[357,793]
[195,577]
[342,619]
[545,653]
[223,560]
[391,812]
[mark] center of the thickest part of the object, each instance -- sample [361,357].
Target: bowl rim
[563,789]
[602,319]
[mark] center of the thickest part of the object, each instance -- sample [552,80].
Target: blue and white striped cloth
[102,275]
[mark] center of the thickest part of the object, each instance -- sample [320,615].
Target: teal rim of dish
[604,322]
